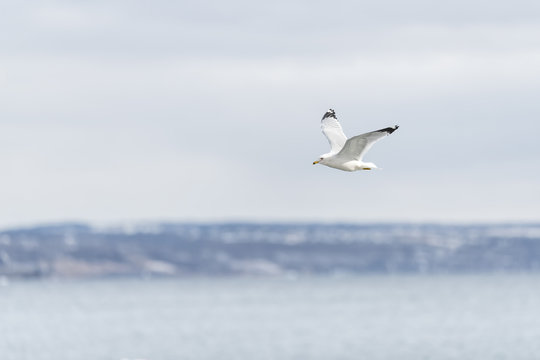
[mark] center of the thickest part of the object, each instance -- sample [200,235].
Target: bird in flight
[346,154]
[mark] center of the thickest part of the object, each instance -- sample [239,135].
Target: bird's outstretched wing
[357,146]
[332,130]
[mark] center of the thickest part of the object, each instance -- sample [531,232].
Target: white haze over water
[368,317]
[210,111]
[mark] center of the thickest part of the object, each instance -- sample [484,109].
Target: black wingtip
[330,113]
[389,130]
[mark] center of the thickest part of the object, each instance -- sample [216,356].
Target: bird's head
[318,161]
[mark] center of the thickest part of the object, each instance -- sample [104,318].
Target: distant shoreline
[75,250]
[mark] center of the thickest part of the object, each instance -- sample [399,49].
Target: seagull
[346,154]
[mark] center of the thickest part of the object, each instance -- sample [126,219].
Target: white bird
[346,154]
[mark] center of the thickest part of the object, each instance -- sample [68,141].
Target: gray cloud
[186,111]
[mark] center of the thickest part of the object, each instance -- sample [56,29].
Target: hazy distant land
[179,249]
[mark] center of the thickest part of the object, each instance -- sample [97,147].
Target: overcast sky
[201,111]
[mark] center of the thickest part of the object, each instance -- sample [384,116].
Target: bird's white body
[352,165]
[346,154]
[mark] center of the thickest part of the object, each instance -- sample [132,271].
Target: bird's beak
[316,162]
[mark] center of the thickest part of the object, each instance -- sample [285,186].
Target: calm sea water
[366,317]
